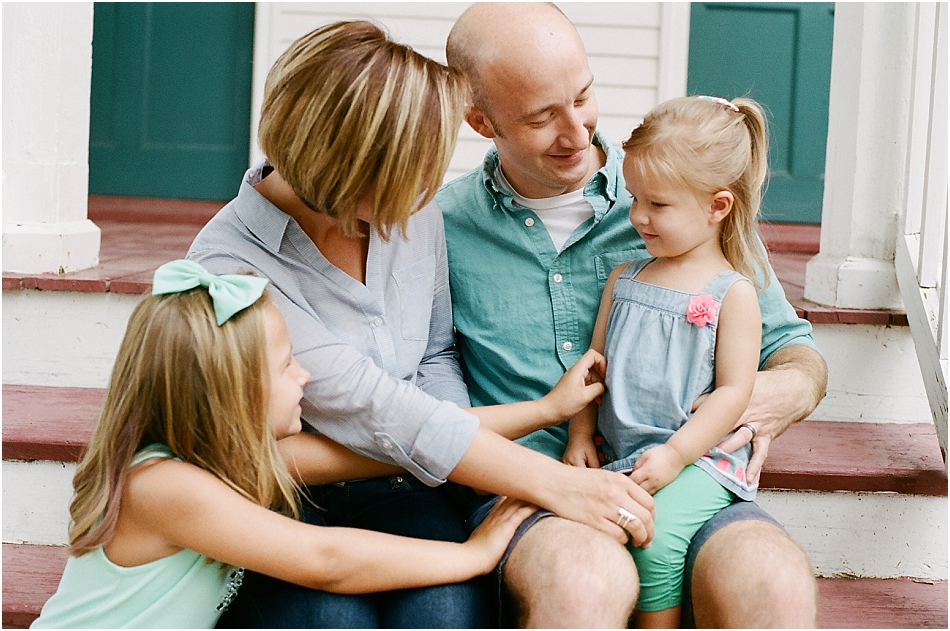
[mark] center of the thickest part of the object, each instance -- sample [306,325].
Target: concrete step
[874,373]
[51,423]
[32,575]
[864,499]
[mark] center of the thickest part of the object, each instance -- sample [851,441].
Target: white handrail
[921,253]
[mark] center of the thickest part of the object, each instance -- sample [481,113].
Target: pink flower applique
[701,310]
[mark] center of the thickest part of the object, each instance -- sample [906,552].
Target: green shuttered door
[171,93]
[780,55]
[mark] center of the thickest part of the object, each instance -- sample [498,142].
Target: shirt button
[567,346]
[377,321]
[529,221]
[558,278]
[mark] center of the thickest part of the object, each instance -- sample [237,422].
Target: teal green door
[780,55]
[171,99]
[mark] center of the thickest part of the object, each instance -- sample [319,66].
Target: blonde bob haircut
[708,147]
[183,381]
[348,113]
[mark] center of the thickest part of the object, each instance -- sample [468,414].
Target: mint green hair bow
[230,293]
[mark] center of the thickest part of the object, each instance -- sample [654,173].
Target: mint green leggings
[682,507]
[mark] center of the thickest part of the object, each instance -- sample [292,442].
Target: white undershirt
[561,215]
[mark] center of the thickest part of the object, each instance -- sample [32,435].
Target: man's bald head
[492,34]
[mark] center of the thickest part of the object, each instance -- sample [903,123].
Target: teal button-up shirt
[524,312]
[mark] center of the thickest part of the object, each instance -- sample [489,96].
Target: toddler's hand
[657,467]
[492,536]
[581,452]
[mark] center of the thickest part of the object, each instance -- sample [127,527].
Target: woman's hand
[491,538]
[580,385]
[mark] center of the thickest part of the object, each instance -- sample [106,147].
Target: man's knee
[565,574]
[752,574]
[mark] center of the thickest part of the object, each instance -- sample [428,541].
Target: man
[532,236]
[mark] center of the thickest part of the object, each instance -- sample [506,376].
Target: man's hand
[787,390]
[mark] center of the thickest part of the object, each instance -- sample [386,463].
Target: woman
[358,132]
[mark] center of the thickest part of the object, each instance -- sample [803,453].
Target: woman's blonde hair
[348,113]
[708,147]
[183,381]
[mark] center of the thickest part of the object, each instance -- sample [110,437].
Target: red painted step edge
[45,423]
[836,456]
[30,576]
[32,573]
[878,603]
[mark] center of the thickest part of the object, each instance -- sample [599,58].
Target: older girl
[183,483]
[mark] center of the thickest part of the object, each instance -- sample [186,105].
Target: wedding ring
[625,517]
[750,428]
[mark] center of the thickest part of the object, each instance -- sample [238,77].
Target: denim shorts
[478,508]
[481,505]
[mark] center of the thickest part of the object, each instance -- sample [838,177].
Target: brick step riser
[874,374]
[879,535]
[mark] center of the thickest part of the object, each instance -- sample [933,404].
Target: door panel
[780,55]
[171,92]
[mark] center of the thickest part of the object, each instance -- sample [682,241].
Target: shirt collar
[606,182]
[267,222]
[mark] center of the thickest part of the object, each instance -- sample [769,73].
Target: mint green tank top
[183,590]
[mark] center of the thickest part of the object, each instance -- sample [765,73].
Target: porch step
[139,234]
[53,423]
[863,499]
[31,575]
[48,423]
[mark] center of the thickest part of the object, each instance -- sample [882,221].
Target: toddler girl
[681,324]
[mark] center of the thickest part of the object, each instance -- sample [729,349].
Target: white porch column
[47,78]
[865,166]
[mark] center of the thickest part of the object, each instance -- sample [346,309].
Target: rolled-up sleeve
[781,325]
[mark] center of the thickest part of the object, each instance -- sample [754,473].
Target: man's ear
[477,120]
[721,206]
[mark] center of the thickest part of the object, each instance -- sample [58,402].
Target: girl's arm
[580,385]
[184,506]
[738,340]
[581,451]
[315,459]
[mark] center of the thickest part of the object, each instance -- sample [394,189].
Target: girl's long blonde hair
[708,147]
[183,381]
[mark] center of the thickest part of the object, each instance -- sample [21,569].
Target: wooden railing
[921,252]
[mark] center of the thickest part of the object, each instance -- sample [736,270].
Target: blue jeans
[399,505]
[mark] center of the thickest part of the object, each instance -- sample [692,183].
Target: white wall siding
[637,51]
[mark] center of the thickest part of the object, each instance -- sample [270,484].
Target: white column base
[36,248]
[852,283]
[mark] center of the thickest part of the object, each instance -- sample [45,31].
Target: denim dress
[658,363]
